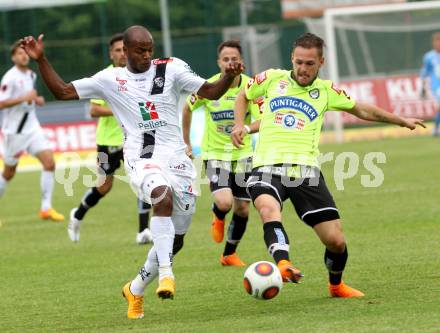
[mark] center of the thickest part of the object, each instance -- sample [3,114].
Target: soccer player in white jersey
[143,97]
[22,131]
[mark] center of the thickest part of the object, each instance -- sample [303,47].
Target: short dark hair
[229,43]
[15,46]
[310,41]
[115,38]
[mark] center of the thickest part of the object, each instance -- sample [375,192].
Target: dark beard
[302,85]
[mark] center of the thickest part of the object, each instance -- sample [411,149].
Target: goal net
[375,52]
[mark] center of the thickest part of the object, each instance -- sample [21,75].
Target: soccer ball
[263,280]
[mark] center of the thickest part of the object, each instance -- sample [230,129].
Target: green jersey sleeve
[257,86]
[256,108]
[194,101]
[338,99]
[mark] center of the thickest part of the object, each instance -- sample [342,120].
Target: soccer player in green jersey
[285,162]
[109,140]
[226,166]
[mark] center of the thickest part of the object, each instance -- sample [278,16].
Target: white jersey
[145,104]
[20,118]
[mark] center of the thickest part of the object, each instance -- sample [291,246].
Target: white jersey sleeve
[6,88]
[186,79]
[91,87]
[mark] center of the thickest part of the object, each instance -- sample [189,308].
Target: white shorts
[176,172]
[16,144]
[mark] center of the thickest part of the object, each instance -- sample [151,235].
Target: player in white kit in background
[144,98]
[22,131]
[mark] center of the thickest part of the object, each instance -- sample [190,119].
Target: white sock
[147,273]
[3,183]
[162,230]
[47,184]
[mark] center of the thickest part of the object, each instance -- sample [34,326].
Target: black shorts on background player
[109,159]
[221,176]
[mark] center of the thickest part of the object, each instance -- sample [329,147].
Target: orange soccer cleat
[231,260]
[51,214]
[288,272]
[135,303]
[167,288]
[217,229]
[342,290]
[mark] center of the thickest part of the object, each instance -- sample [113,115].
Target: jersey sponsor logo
[162,61]
[222,115]
[121,86]
[292,103]
[250,83]
[148,110]
[227,129]
[151,166]
[340,91]
[230,98]
[149,116]
[289,121]
[314,93]
[260,78]
[260,102]
[193,99]
[4,87]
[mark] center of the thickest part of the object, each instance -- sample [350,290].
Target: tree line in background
[76,36]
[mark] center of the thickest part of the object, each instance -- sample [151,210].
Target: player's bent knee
[162,200]
[224,205]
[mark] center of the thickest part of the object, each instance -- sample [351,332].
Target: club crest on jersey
[149,116]
[293,103]
[289,121]
[282,87]
[121,86]
[159,81]
[314,93]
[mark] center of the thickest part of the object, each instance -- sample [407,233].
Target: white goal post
[414,16]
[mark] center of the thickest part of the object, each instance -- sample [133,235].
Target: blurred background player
[109,141]
[226,166]
[144,97]
[22,131]
[431,70]
[285,162]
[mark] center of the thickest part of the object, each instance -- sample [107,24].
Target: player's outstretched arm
[372,112]
[97,110]
[239,131]
[59,88]
[216,89]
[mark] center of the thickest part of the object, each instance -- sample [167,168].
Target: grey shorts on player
[17,144]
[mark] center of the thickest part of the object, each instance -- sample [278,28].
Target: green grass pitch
[48,284]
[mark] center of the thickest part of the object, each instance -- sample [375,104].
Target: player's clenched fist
[234,69]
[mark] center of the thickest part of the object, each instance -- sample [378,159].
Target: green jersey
[292,117]
[219,120]
[108,132]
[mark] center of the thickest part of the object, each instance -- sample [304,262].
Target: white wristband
[247,128]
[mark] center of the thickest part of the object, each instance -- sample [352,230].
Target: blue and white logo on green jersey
[222,115]
[292,103]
